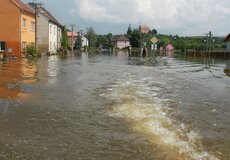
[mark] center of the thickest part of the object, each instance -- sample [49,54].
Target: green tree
[109,36]
[78,43]
[91,36]
[179,44]
[129,31]
[64,39]
[163,40]
[102,41]
[135,38]
[154,32]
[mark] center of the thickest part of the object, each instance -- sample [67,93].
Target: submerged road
[114,107]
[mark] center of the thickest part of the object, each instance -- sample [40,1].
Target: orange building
[17,27]
[144,29]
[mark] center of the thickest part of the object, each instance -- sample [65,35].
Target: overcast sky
[182,17]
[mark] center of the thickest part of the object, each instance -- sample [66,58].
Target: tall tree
[64,39]
[135,38]
[154,31]
[91,36]
[78,42]
[109,36]
[102,41]
[129,31]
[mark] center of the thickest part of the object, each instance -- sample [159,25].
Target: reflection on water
[13,75]
[52,69]
[211,62]
[115,106]
[227,70]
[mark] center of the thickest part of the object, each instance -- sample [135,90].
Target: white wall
[122,44]
[85,41]
[53,33]
[59,36]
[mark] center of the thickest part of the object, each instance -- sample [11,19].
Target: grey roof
[119,38]
[50,16]
[46,14]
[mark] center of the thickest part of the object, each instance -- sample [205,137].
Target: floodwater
[115,107]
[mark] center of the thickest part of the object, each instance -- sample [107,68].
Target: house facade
[144,29]
[17,27]
[70,35]
[167,50]
[169,47]
[49,30]
[120,42]
[227,41]
[85,41]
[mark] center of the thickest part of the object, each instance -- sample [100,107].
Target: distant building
[120,42]
[227,41]
[70,35]
[144,29]
[167,50]
[49,30]
[169,47]
[85,42]
[17,29]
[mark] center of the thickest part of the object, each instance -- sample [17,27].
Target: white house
[85,41]
[53,40]
[49,30]
[120,42]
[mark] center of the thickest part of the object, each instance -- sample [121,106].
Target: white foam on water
[138,104]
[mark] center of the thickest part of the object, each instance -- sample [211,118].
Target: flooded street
[115,107]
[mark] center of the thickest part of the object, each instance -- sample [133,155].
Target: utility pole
[72,25]
[209,41]
[37,7]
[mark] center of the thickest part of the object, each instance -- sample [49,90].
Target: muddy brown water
[112,106]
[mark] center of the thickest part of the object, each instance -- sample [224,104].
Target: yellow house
[27,30]
[17,29]
[27,25]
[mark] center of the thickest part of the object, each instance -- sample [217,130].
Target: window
[50,29]
[23,45]
[54,30]
[50,45]
[23,23]
[32,26]
[2,46]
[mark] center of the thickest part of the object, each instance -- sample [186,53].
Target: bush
[4,56]
[31,51]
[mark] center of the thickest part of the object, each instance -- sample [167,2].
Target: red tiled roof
[23,6]
[69,34]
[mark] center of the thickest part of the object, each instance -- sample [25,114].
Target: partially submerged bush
[4,56]
[31,51]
